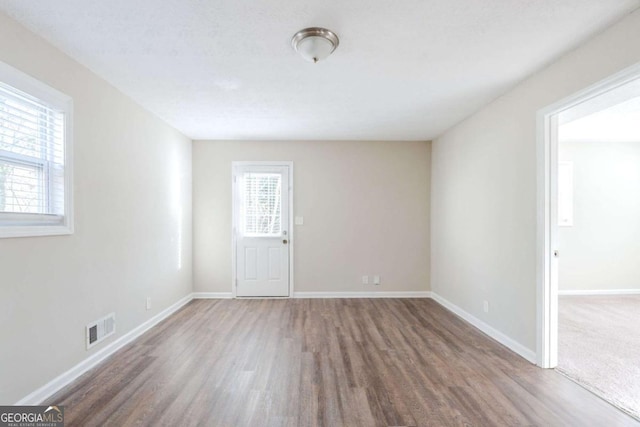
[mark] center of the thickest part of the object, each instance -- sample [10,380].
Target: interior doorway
[589,228]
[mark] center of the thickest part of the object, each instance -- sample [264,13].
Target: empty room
[278,213]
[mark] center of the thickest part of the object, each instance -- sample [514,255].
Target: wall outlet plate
[365,280]
[376,280]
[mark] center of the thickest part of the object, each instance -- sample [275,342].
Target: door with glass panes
[261,230]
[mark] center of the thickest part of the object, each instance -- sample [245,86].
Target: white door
[262,230]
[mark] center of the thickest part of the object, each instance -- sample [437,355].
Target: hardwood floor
[324,362]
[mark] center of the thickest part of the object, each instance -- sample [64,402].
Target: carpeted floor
[599,346]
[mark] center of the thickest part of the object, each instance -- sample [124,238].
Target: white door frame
[547,224]
[234,206]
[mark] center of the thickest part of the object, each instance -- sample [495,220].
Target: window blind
[31,155]
[262,203]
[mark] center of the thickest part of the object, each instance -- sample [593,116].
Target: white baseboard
[422,294]
[53,386]
[212,295]
[600,292]
[493,333]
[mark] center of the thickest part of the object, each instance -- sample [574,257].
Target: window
[565,194]
[35,166]
[262,194]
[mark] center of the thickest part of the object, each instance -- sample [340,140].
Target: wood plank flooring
[324,362]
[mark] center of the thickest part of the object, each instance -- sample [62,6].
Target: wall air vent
[100,329]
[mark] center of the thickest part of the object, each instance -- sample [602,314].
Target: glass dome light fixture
[315,44]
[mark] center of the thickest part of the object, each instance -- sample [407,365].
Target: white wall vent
[100,329]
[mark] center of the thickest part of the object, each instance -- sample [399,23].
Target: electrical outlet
[365,280]
[376,280]
[148,303]
[485,306]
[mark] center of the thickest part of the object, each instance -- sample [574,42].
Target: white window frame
[565,193]
[31,225]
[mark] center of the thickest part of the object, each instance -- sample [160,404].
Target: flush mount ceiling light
[315,43]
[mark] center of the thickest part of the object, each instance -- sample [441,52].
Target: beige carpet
[599,346]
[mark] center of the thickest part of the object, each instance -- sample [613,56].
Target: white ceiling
[225,69]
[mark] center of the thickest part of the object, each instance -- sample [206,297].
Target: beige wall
[601,251]
[365,207]
[132,220]
[484,188]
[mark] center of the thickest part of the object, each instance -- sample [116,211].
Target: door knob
[285,241]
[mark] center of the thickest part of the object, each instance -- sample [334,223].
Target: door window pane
[262,204]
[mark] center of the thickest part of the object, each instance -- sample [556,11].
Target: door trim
[547,228]
[234,206]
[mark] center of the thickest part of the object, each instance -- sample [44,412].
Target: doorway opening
[588,234]
[262,240]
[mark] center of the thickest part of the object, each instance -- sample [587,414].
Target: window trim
[566,193]
[32,225]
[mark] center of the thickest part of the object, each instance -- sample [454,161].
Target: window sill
[7,232]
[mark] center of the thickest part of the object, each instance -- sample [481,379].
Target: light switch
[299,220]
